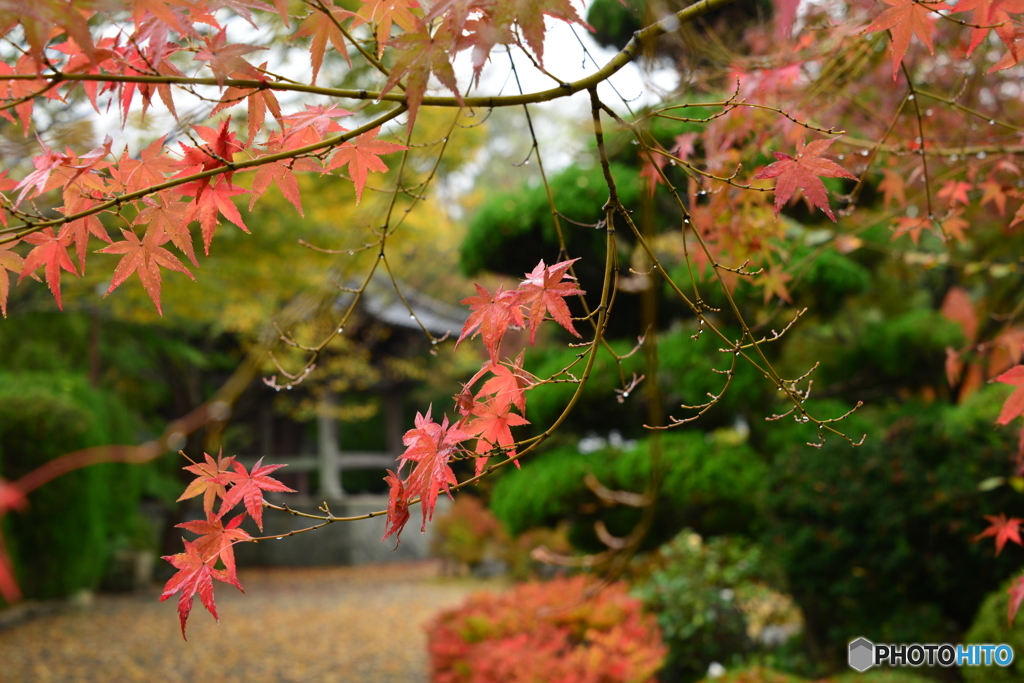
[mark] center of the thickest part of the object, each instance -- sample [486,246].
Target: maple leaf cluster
[907,18]
[158,194]
[170,190]
[486,415]
[431,446]
[227,480]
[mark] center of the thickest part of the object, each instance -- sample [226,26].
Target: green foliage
[62,541]
[614,23]
[513,230]
[991,626]
[710,486]
[685,373]
[832,277]
[556,631]
[878,540]
[136,362]
[696,595]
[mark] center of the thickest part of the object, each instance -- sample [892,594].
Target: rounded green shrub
[992,626]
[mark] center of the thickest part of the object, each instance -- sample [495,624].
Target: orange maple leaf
[144,257]
[801,173]
[1014,405]
[543,292]
[362,155]
[903,19]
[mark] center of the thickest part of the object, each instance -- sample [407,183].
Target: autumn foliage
[568,629]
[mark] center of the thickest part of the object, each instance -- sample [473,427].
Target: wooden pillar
[329,453]
[393,423]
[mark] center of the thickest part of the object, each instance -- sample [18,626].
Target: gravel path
[321,624]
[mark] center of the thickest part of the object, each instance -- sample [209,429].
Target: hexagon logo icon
[862,654]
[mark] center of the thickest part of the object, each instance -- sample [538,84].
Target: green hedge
[63,540]
[709,485]
[876,541]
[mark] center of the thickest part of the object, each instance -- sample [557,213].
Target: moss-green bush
[63,540]
[991,626]
[877,540]
[710,485]
[696,595]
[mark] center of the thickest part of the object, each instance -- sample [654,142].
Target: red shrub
[552,632]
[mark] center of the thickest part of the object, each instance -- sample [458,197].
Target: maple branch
[380,245]
[20,231]
[920,133]
[768,371]
[955,21]
[621,59]
[968,110]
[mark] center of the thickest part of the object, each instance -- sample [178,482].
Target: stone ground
[311,624]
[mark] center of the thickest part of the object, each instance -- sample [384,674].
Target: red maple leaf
[893,186]
[258,101]
[801,173]
[249,487]
[418,55]
[384,13]
[211,478]
[149,169]
[323,28]
[994,192]
[51,251]
[1003,529]
[904,18]
[543,292]
[11,498]
[319,118]
[492,425]
[431,446]
[212,200]
[398,507]
[491,316]
[361,156]
[81,229]
[529,14]
[195,575]
[773,283]
[1016,592]
[9,589]
[911,226]
[224,58]
[217,539]
[171,217]
[508,385]
[281,174]
[219,150]
[651,171]
[994,13]
[1014,54]
[954,226]
[955,191]
[1014,404]
[144,257]
[45,164]
[12,262]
